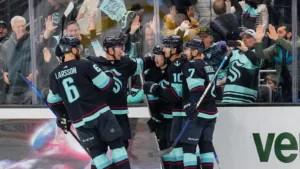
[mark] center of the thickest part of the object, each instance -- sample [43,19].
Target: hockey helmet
[196,44]
[111,42]
[173,41]
[158,50]
[66,43]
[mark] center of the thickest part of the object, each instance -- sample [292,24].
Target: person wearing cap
[213,55]
[3,32]
[242,71]
[280,54]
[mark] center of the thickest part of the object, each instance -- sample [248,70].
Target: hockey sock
[120,158]
[207,160]
[165,158]
[101,161]
[178,153]
[189,156]
[198,160]
[167,161]
[190,161]
[93,165]
[173,162]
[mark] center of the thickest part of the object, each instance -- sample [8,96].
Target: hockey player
[76,94]
[197,75]
[161,111]
[172,93]
[122,67]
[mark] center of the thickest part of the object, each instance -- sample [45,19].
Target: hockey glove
[191,110]
[64,123]
[151,88]
[154,122]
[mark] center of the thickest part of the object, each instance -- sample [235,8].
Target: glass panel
[16,51]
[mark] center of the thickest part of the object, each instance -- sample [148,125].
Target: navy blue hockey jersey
[156,105]
[197,75]
[122,70]
[80,85]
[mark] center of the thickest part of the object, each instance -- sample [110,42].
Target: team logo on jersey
[177,63]
[234,72]
[118,83]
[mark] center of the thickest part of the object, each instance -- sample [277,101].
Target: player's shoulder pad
[96,59]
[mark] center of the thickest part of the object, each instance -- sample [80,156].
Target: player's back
[82,85]
[198,74]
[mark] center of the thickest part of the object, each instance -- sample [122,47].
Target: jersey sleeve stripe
[53,98]
[139,66]
[195,82]
[107,86]
[175,94]
[102,80]
[197,88]
[151,97]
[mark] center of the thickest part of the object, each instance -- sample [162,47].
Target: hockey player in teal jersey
[172,93]
[196,76]
[77,94]
[161,110]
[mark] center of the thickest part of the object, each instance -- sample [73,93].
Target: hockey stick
[146,98]
[168,150]
[217,159]
[45,102]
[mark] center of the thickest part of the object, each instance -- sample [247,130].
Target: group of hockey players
[91,94]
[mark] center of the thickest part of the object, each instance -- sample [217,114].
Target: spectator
[87,9]
[225,22]
[204,13]
[19,58]
[3,32]
[280,54]
[56,9]
[254,13]
[73,29]
[213,55]
[242,72]
[139,9]
[186,26]
[149,37]
[132,32]
[270,81]
[169,22]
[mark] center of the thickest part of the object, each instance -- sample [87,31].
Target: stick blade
[164,152]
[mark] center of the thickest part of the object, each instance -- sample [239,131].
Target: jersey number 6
[70,89]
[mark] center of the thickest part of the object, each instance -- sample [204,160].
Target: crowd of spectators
[260,26]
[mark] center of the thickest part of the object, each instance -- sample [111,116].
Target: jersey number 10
[70,89]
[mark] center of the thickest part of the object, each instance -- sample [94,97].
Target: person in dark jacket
[19,58]
[226,22]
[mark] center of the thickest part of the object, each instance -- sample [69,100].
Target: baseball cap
[3,23]
[249,32]
[206,31]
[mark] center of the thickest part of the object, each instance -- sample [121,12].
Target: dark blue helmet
[66,43]
[111,42]
[173,41]
[196,44]
[158,50]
